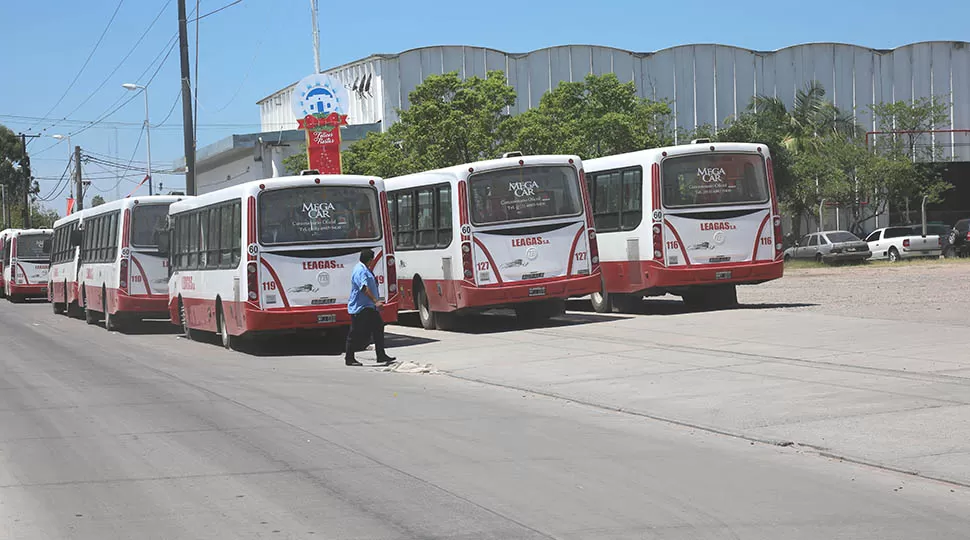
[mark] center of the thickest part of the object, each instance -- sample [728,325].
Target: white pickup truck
[895,243]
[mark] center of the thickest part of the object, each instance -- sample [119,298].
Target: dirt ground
[917,291]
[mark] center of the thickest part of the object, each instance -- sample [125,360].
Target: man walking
[364,307]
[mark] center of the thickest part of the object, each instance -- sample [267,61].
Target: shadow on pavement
[318,345]
[670,306]
[502,320]
[153,327]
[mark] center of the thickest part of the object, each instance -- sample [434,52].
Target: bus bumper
[29,291]
[636,276]
[561,288]
[303,318]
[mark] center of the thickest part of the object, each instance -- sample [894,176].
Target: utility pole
[3,212]
[188,134]
[316,35]
[78,183]
[28,179]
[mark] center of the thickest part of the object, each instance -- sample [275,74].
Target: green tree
[909,124]
[97,200]
[40,217]
[810,118]
[13,168]
[591,118]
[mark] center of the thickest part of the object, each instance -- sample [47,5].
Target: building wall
[706,84]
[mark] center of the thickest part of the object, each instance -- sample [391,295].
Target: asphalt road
[147,435]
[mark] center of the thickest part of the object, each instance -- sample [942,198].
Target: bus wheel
[725,296]
[228,340]
[58,308]
[626,303]
[602,300]
[112,323]
[16,298]
[427,316]
[187,332]
[90,316]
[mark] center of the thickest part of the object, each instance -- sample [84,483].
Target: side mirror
[75,238]
[164,241]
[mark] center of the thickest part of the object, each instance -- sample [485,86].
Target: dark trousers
[366,323]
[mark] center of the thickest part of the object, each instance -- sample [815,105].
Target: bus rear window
[146,220]
[314,214]
[714,179]
[525,194]
[34,247]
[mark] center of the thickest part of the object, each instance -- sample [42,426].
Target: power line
[117,67]
[83,66]
[213,12]
[48,197]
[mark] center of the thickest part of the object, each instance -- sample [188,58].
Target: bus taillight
[466,259]
[252,282]
[658,242]
[391,276]
[123,282]
[778,244]
[594,250]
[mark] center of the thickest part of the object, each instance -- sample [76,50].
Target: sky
[51,83]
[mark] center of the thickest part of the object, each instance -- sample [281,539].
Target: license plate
[533,275]
[326,318]
[723,275]
[850,249]
[537,291]
[323,301]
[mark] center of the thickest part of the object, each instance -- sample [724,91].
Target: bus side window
[443,210]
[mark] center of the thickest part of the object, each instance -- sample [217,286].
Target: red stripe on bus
[572,251]
[385,220]
[771,186]
[251,227]
[26,281]
[125,228]
[757,237]
[683,250]
[376,258]
[144,276]
[491,261]
[279,284]
[655,185]
[586,203]
[463,206]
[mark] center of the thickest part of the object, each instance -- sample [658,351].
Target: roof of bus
[130,202]
[462,171]
[653,155]
[21,232]
[255,186]
[7,232]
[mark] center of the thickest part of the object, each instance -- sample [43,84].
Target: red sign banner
[323,141]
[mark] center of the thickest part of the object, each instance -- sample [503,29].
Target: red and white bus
[122,276]
[62,284]
[511,232]
[691,220]
[276,255]
[4,234]
[26,259]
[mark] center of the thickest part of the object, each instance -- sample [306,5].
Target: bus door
[523,229]
[311,240]
[717,209]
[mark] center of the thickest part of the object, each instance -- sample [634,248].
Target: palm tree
[810,119]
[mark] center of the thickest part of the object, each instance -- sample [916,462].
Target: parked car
[829,247]
[896,243]
[957,241]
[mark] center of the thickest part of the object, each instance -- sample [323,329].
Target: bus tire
[187,332]
[90,316]
[626,303]
[15,298]
[112,322]
[58,307]
[427,317]
[602,300]
[229,341]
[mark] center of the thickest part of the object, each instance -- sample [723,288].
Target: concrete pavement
[151,436]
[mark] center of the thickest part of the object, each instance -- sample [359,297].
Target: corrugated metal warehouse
[706,84]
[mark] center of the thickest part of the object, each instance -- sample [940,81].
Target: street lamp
[148,133]
[69,151]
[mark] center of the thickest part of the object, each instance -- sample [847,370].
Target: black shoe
[386,359]
[352,362]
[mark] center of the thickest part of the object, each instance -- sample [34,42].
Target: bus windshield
[145,221]
[307,215]
[525,193]
[34,247]
[713,179]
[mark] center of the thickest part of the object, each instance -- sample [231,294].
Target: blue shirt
[362,277]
